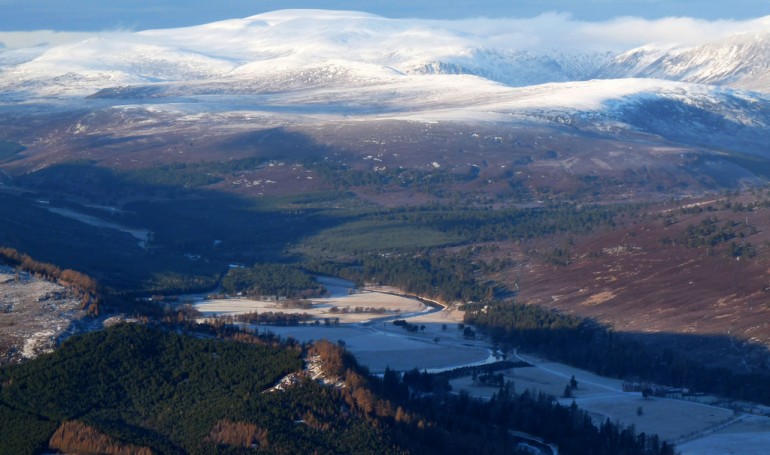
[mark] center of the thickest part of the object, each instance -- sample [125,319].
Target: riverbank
[362,320]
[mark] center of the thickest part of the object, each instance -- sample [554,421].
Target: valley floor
[373,338]
[696,427]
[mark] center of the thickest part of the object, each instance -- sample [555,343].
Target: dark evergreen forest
[137,389]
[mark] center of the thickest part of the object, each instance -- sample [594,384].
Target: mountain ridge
[291,40]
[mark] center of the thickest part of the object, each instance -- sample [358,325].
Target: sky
[28,23]
[98,15]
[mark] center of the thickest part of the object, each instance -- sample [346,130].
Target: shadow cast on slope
[713,364]
[710,123]
[192,233]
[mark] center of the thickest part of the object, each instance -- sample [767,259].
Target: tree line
[433,276]
[279,280]
[595,347]
[420,409]
[84,286]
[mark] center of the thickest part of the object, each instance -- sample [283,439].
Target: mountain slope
[297,49]
[309,67]
[740,61]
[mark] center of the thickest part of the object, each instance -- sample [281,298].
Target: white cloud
[559,30]
[19,40]
[630,31]
[547,31]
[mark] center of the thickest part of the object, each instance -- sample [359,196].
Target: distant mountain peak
[296,49]
[741,60]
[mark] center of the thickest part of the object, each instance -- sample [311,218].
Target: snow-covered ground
[696,428]
[359,63]
[372,337]
[749,435]
[510,52]
[385,345]
[306,66]
[390,304]
[141,235]
[34,314]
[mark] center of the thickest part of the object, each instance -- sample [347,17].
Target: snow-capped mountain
[283,46]
[741,61]
[338,63]
[518,68]
[297,48]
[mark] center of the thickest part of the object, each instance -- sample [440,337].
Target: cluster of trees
[558,256]
[484,225]
[571,429]
[487,369]
[274,318]
[489,379]
[23,431]
[465,225]
[272,280]
[710,233]
[484,423]
[196,233]
[184,175]
[84,286]
[439,277]
[571,386]
[190,175]
[412,405]
[238,434]
[359,309]
[111,257]
[456,423]
[407,326]
[139,386]
[167,282]
[434,181]
[77,437]
[296,304]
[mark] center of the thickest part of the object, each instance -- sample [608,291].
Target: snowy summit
[365,63]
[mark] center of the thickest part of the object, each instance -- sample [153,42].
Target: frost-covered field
[696,428]
[372,337]
[749,435]
[390,304]
[387,346]
[34,313]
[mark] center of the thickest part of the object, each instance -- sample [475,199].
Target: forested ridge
[137,389]
[169,393]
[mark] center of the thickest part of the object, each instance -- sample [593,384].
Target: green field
[368,236]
